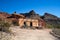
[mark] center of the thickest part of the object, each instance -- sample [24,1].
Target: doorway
[31,24]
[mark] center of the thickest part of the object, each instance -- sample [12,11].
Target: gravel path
[29,34]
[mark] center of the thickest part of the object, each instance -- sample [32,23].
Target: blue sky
[39,6]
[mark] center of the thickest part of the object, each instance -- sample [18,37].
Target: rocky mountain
[50,16]
[51,19]
[31,14]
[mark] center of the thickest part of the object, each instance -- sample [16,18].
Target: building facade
[28,22]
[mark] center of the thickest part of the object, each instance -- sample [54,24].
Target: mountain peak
[32,12]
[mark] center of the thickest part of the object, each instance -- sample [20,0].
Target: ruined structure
[34,23]
[31,20]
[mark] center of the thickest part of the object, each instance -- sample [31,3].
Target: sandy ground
[30,34]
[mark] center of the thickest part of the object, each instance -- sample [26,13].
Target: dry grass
[5,36]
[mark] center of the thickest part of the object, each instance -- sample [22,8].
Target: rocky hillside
[51,19]
[4,15]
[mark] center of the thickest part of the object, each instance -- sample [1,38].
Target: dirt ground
[30,34]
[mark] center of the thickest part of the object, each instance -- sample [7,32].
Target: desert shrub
[4,26]
[52,26]
[49,26]
[57,26]
[15,23]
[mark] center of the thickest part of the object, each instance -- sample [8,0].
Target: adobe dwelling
[28,22]
[34,23]
[31,20]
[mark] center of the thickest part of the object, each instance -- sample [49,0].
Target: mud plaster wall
[27,21]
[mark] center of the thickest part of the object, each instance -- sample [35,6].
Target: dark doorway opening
[31,24]
[24,23]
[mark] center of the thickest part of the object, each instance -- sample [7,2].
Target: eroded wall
[28,21]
